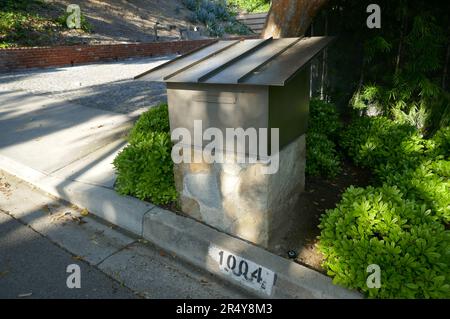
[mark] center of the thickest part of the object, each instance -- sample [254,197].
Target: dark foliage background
[399,70]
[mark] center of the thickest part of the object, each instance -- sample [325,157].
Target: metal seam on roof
[200,60]
[175,59]
[232,73]
[193,75]
[263,63]
[171,66]
[234,60]
[281,70]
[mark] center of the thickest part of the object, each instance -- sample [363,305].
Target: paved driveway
[106,86]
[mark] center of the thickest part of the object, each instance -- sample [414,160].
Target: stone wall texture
[239,199]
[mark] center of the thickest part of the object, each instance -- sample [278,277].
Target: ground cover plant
[391,86]
[400,223]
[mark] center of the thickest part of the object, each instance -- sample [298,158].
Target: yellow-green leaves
[378,225]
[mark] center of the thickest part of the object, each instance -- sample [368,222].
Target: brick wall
[21,58]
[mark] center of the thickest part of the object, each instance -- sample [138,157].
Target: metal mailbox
[242,84]
[253,83]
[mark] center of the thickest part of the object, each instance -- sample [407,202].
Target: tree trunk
[291,18]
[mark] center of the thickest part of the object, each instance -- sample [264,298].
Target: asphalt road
[31,266]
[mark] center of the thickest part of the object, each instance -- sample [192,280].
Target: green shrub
[251,6]
[399,156]
[324,118]
[374,141]
[155,120]
[321,156]
[428,183]
[20,24]
[379,226]
[145,167]
[216,16]
[441,142]
[424,178]
[322,159]
[400,225]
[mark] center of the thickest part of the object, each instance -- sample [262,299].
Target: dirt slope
[127,20]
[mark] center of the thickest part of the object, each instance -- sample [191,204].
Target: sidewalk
[56,137]
[41,236]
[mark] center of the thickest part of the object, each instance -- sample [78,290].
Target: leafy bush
[20,24]
[221,12]
[204,16]
[441,142]
[428,183]
[417,117]
[321,155]
[215,16]
[215,29]
[399,156]
[425,178]
[400,225]
[155,120]
[32,23]
[324,118]
[22,5]
[251,6]
[145,167]
[190,4]
[379,226]
[374,141]
[397,73]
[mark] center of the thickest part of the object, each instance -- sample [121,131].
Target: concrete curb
[123,211]
[191,241]
[182,236]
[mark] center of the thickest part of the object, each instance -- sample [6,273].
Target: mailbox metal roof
[253,61]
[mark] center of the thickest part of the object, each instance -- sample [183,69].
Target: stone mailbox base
[239,199]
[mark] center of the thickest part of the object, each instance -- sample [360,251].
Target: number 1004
[239,267]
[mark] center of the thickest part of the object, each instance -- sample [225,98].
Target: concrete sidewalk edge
[182,236]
